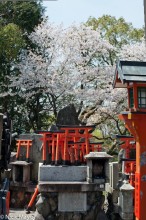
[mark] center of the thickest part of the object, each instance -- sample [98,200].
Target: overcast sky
[70,11]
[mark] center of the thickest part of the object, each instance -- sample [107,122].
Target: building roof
[129,71]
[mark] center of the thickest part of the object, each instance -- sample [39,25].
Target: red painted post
[53,149]
[87,141]
[24,143]
[18,149]
[44,149]
[136,123]
[32,199]
[65,153]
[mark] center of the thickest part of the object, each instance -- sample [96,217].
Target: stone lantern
[132,76]
[126,201]
[98,167]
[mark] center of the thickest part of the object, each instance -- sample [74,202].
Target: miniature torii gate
[132,75]
[129,156]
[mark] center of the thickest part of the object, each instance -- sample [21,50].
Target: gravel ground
[20,214]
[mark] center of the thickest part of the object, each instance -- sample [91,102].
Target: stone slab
[17,186]
[72,202]
[99,181]
[62,173]
[13,156]
[97,155]
[21,163]
[126,216]
[115,174]
[69,187]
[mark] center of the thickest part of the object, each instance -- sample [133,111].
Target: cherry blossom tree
[134,52]
[68,66]
[64,68]
[117,100]
[106,115]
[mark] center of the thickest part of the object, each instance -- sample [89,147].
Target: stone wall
[47,208]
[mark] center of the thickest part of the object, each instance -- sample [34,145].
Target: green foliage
[117,31]
[97,133]
[11,41]
[16,19]
[25,14]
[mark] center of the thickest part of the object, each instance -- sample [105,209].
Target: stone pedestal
[73,192]
[70,205]
[62,173]
[72,202]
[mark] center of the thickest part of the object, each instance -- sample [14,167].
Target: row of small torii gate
[70,144]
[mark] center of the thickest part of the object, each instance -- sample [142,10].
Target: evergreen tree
[17,19]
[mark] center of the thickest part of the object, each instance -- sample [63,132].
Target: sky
[77,11]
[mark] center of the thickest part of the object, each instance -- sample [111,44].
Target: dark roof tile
[129,71]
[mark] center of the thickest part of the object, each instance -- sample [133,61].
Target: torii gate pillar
[132,76]
[136,124]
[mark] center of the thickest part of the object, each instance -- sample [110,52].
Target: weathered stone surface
[65,216]
[99,170]
[89,170]
[38,216]
[90,215]
[43,206]
[21,171]
[53,204]
[126,201]
[94,197]
[72,202]
[60,186]
[115,174]
[115,216]
[51,217]
[7,173]
[96,206]
[101,215]
[96,155]
[35,153]
[77,216]
[67,116]
[61,173]
[115,196]
[102,202]
[126,216]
